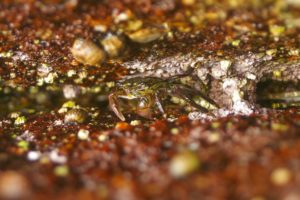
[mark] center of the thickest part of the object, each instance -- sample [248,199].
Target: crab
[145,95]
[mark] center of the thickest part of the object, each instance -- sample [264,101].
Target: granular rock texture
[60,60]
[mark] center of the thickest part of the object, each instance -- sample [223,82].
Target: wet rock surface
[60,140]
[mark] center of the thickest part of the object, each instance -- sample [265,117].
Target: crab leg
[114,105]
[159,105]
[187,94]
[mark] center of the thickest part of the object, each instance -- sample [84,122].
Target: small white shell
[112,44]
[76,115]
[86,52]
[146,35]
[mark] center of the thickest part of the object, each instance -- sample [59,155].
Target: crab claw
[114,105]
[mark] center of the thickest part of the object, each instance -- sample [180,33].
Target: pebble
[175,131]
[188,2]
[33,155]
[69,104]
[102,138]
[61,171]
[281,176]
[135,122]
[71,91]
[20,120]
[184,164]
[213,137]
[43,70]
[83,134]
[276,30]
[13,185]
[57,158]
[122,126]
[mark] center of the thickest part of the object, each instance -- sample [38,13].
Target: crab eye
[143,103]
